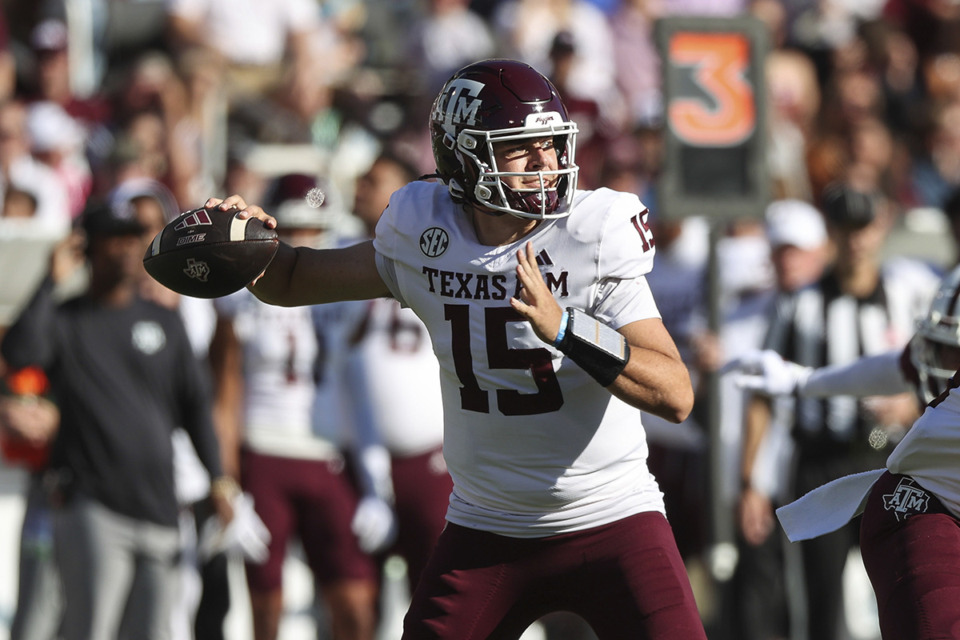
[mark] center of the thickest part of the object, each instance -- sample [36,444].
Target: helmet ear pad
[473,164]
[462,167]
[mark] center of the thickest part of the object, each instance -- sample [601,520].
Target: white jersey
[534,445]
[279,356]
[393,378]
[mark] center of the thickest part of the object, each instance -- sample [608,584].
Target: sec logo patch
[433,242]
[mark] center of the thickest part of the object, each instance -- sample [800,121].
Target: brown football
[208,253]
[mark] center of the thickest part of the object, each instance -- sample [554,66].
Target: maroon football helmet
[494,101]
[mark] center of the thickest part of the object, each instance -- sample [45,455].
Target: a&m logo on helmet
[459,103]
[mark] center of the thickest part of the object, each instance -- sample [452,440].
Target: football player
[549,343]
